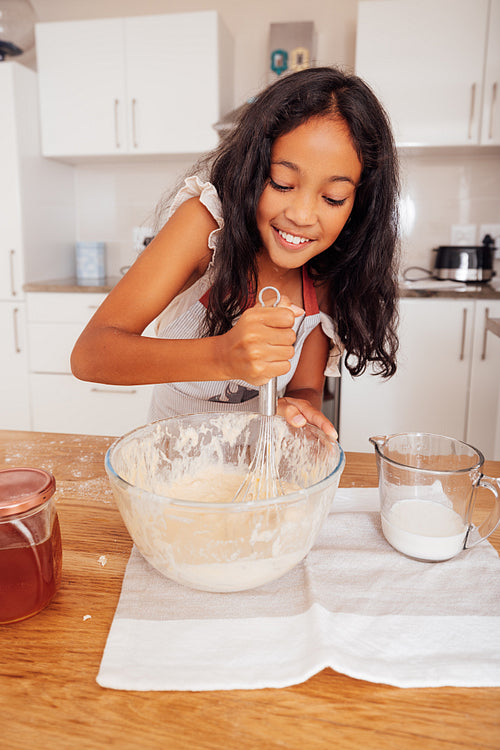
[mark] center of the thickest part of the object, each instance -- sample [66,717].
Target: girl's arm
[112,350]
[304,394]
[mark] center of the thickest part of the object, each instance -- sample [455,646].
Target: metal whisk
[262,480]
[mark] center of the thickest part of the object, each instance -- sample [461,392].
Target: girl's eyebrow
[295,168]
[288,164]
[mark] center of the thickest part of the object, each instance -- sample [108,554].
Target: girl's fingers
[285,302]
[261,343]
[299,412]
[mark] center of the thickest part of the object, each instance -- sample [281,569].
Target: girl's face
[310,191]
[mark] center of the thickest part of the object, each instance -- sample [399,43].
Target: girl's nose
[301,209]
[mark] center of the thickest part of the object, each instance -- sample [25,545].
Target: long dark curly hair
[360,268]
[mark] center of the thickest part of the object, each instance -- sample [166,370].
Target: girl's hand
[260,345]
[299,411]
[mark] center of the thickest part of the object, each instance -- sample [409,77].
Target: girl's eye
[335,201]
[276,186]
[284,188]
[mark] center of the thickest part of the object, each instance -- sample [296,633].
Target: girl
[301,195]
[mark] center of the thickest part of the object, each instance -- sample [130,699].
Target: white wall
[442,188]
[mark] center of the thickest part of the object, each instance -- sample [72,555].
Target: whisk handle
[267,398]
[267,392]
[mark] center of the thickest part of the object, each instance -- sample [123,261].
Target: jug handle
[490,523]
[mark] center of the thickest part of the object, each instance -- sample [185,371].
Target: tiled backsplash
[113,198]
[440,188]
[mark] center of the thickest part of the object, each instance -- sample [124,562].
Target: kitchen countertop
[71,285]
[49,663]
[452,291]
[471,291]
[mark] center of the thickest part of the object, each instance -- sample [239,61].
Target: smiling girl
[300,195]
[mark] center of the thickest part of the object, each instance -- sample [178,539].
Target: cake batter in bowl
[174,480]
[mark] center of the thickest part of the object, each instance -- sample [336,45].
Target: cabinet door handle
[485,332]
[129,392]
[15,313]
[472,109]
[134,124]
[117,128]
[492,109]
[12,254]
[464,329]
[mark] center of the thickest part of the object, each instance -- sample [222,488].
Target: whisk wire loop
[262,480]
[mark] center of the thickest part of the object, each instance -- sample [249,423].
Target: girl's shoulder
[207,196]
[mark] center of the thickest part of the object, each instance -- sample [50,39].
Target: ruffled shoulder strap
[193,187]
[206,192]
[336,347]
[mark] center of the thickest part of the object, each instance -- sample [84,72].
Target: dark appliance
[469,264]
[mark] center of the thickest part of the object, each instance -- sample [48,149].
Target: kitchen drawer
[55,321]
[62,307]
[60,403]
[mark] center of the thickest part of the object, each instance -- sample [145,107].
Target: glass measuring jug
[428,485]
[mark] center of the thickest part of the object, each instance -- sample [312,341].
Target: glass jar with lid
[30,543]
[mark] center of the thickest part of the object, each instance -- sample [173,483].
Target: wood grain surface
[48,664]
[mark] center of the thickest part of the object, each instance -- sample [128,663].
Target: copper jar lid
[23,489]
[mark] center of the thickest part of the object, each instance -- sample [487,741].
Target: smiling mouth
[293,239]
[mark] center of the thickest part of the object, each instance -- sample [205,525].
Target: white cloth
[354,604]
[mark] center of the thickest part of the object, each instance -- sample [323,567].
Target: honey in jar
[30,543]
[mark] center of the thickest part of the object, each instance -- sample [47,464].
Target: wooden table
[48,664]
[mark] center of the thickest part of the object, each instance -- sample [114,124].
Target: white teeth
[292,238]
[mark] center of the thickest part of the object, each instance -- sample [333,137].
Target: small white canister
[90,263]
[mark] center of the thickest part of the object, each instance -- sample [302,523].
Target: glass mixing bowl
[210,543]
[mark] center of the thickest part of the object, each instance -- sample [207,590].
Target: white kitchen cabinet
[60,402]
[483,408]
[37,212]
[433,68]
[446,382]
[495,344]
[11,267]
[490,129]
[14,390]
[36,229]
[428,391]
[137,85]
[12,81]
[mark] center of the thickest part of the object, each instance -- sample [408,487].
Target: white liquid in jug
[424,529]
